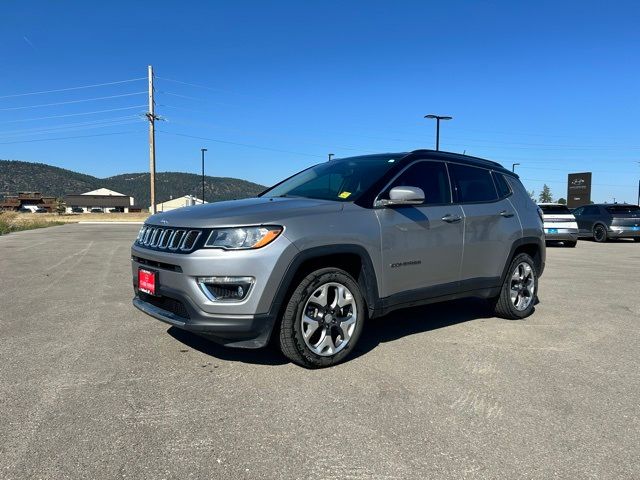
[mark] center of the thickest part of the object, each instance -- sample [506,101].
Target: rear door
[421,244]
[490,225]
[585,217]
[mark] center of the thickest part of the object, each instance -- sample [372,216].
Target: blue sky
[553,86]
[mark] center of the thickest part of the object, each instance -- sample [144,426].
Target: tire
[637,239]
[505,304]
[571,244]
[600,233]
[317,339]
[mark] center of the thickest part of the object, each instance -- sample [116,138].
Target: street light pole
[513,167]
[331,156]
[203,150]
[438,118]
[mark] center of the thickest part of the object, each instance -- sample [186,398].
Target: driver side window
[431,177]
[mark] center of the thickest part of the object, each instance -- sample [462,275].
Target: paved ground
[91,388]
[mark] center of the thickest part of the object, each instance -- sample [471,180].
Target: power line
[64,126]
[181,96]
[68,138]
[241,144]
[73,88]
[356,148]
[564,182]
[72,101]
[73,114]
[201,86]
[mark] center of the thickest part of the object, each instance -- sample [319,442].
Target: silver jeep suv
[309,260]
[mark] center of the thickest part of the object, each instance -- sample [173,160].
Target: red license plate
[147,281]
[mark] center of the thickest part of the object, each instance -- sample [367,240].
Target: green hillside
[16,176]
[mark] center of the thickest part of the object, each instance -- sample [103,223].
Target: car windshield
[342,180]
[623,209]
[555,209]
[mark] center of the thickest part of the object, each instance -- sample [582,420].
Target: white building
[179,202]
[102,198]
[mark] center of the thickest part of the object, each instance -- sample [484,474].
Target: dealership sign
[579,189]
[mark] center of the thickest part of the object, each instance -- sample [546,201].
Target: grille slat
[190,240]
[171,239]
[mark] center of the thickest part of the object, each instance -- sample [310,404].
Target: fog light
[225,289]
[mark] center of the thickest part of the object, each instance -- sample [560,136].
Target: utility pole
[203,150]
[151,116]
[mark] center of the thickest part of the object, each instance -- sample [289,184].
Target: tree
[532,194]
[60,206]
[545,195]
[562,201]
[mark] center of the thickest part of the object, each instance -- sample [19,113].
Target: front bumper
[243,331]
[181,302]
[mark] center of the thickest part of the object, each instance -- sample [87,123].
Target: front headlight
[240,238]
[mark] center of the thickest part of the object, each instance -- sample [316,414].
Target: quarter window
[431,177]
[501,185]
[472,184]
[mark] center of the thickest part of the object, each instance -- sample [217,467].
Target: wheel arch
[352,258]
[532,246]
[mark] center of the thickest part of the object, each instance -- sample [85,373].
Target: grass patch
[14,222]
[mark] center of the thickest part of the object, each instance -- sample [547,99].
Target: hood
[249,211]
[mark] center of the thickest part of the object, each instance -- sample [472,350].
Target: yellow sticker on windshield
[345,195]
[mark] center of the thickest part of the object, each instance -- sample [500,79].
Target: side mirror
[403,196]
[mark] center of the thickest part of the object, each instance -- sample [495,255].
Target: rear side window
[431,177]
[501,185]
[472,184]
[555,209]
[591,210]
[623,209]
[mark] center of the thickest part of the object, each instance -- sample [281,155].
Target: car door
[586,218]
[580,220]
[421,244]
[491,225]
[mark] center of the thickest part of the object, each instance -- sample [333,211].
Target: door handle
[505,213]
[451,218]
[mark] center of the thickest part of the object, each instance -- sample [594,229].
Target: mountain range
[17,176]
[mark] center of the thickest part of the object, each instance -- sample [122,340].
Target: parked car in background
[97,210]
[25,210]
[559,224]
[604,221]
[41,210]
[77,210]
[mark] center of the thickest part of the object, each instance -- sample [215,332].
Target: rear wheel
[323,319]
[518,294]
[570,244]
[637,239]
[600,233]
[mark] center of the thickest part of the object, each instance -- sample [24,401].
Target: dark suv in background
[604,221]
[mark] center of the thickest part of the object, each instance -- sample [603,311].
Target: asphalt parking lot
[92,388]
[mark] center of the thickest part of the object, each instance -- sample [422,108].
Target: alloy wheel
[329,319]
[522,286]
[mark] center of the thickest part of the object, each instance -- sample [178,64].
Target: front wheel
[323,319]
[518,294]
[600,233]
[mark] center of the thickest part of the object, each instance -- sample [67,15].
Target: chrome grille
[165,238]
